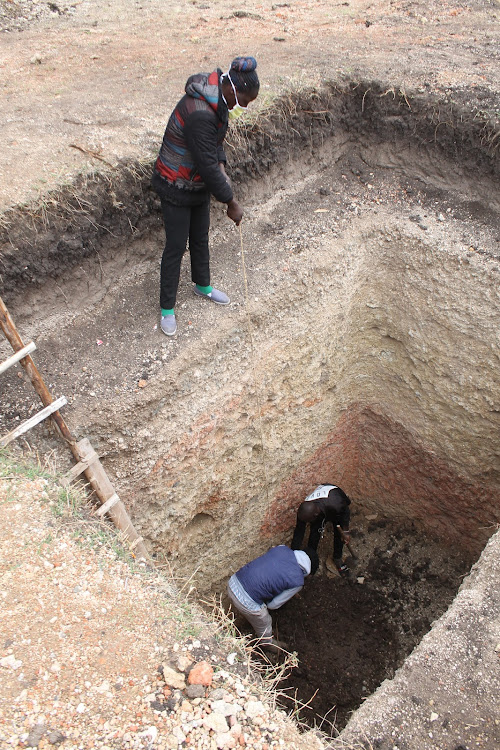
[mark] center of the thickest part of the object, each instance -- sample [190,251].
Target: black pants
[183,223]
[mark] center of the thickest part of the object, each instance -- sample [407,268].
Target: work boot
[168,324]
[215,295]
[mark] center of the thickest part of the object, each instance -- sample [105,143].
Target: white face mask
[237,110]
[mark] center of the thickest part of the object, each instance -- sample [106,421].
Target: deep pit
[352,634]
[365,354]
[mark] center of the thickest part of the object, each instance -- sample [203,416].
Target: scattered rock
[183,663]
[217,694]
[195,691]
[10,662]
[36,735]
[56,737]
[201,674]
[217,722]
[225,740]
[173,678]
[255,708]
[225,708]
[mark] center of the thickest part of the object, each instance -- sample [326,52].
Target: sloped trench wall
[374,371]
[380,375]
[377,371]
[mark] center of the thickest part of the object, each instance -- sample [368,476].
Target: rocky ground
[97,652]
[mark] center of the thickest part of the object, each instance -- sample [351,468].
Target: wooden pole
[99,481]
[95,472]
[16,342]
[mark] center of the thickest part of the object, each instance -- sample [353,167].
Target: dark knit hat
[243,74]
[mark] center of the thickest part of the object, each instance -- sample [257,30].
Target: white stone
[10,662]
[225,740]
[225,708]
[173,678]
[217,722]
[105,687]
[255,708]
[152,733]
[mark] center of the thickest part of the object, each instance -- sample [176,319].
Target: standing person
[190,168]
[326,503]
[266,583]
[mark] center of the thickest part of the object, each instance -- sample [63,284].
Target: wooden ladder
[88,462]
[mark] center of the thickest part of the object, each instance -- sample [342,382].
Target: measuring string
[256,385]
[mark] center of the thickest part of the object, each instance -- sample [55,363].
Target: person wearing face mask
[190,168]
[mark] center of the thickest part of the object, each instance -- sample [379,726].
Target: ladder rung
[32,421]
[20,354]
[78,469]
[108,504]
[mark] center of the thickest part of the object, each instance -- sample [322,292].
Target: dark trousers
[183,223]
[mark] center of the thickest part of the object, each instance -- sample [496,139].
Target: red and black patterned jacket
[187,169]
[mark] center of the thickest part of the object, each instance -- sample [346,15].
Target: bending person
[190,168]
[266,583]
[326,503]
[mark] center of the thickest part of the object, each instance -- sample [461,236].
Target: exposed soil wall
[360,347]
[365,351]
[100,211]
[446,693]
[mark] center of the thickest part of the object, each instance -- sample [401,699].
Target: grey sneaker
[168,324]
[215,295]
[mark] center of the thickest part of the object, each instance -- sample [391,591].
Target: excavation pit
[351,635]
[362,350]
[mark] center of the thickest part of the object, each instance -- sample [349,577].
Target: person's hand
[234,211]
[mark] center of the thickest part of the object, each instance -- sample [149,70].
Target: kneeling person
[266,583]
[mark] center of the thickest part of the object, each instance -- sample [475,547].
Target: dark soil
[346,645]
[351,634]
